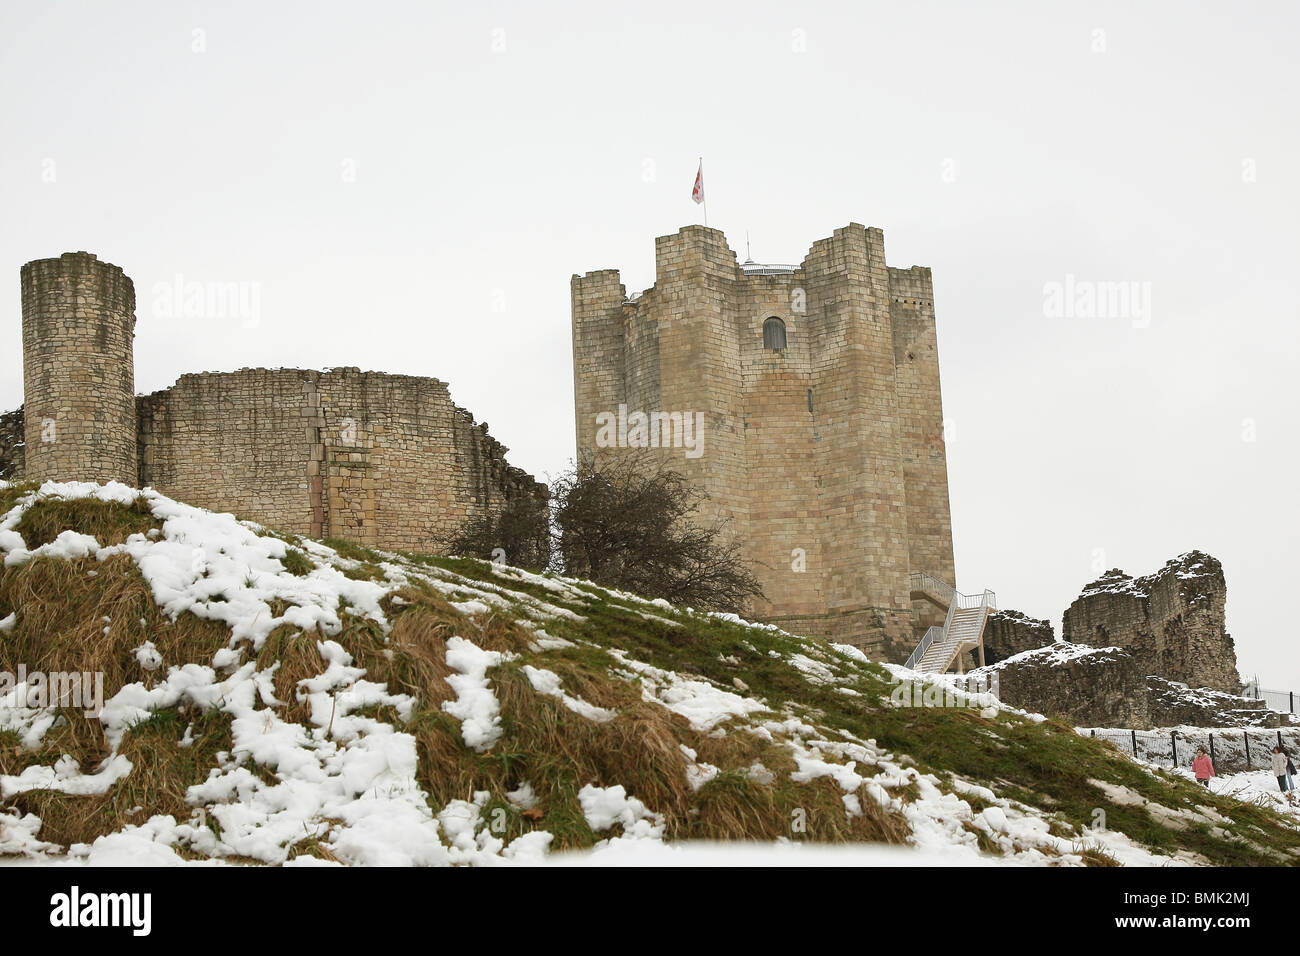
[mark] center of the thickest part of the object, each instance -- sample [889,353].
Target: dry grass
[88,617]
[62,606]
[1094,855]
[161,773]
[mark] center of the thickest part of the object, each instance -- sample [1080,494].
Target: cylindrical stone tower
[78,371]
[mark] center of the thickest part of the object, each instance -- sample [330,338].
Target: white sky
[499,148]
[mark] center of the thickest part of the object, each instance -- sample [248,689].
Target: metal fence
[1280,700]
[1231,751]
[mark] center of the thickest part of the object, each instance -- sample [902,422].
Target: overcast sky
[408,187]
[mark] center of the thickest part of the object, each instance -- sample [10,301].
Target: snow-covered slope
[273,699]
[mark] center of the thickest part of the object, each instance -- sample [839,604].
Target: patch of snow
[475,706]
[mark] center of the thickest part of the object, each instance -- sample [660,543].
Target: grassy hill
[269,699]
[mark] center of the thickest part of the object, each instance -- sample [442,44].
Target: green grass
[1044,765]
[296,562]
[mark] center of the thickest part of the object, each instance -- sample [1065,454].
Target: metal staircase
[962,630]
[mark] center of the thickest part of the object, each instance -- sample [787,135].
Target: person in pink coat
[1202,767]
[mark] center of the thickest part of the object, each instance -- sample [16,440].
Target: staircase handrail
[930,636]
[925,581]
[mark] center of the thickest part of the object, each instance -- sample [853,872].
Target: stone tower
[78,373]
[817,387]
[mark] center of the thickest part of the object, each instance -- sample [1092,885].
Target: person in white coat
[1279,768]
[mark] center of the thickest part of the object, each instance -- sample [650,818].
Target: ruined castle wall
[1008,633]
[920,410]
[1107,687]
[1172,621]
[78,376]
[232,441]
[405,468]
[384,460]
[1083,686]
[12,445]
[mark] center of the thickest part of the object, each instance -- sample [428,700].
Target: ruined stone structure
[13,444]
[1083,686]
[817,391]
[1106,687]
[1137,652]
[384,460]
[1172,621]
[1009,633]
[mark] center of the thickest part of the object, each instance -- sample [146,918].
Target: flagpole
[699,195]
[705,196]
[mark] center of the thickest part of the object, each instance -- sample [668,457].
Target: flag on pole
[698,192]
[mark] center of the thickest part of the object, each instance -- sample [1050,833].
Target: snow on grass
[475,706]
[605,806]
[66,777]
[548,682]
[704,705]
[350,781]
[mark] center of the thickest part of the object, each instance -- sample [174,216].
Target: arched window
[773,333]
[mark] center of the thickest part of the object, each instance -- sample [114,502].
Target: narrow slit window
[773,333]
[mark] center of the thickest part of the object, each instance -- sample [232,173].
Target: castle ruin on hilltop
[385,460]
[805,401]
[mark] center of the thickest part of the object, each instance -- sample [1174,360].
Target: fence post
[1135,742]
[1246,737]
[1211,746]
[1094,732]
[1279,740]
[1291,695]
[1173,739]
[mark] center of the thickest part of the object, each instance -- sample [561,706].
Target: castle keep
[385,460]
[817,387]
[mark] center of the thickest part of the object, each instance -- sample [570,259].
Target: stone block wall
[387,461]
[921,423]
[232,441]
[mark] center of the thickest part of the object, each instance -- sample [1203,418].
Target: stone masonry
[1085,686]
[1172,621]
[1008,633]
[826,455]
[1106,687]
[78,371]
[384,460]
[1137,652]
[13,445]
